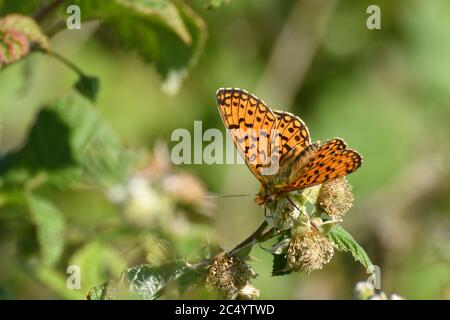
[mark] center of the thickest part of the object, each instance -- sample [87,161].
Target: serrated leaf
[50,226]
[88,86]
[345,242]
[279,265]
[18,34]
[167,33]
[149,282]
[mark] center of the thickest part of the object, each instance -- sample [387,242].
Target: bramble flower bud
[364,290]
[249,292]
[229,275]
[335,197]
[309,251]
[284,212]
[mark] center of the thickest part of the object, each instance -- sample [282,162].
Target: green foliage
[167,33]
[150,282]
[68,143]
[23,7]
[214,4]
[108,213]
[98,263]
[88,86]
[345,242]
[279,265]
[50,226]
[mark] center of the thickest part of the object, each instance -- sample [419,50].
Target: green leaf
[69,143]
[98,293]
[150,282]
[18,34]
[345,242]
[105,291]
[57,281]
[279,266]
[167,33]
[88,86]
[50,227]
[187,277]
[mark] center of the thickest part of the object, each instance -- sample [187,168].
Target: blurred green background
[386,92]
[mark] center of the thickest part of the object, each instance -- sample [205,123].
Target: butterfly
[277,148]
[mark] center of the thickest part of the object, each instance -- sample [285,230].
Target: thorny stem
[258,236]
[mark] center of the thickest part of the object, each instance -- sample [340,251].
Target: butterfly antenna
[228,196]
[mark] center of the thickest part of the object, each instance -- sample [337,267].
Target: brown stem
[46,10]
[255,237]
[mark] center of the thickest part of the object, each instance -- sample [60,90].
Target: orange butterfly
[277,148]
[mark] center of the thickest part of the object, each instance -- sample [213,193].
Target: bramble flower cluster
[309,251]
[308,247]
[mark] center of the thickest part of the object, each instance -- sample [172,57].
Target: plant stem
[46,10]
[255,237]
[67,62]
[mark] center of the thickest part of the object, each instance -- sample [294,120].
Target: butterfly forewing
[250,124]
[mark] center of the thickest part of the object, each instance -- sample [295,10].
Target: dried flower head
[335,197]
[229,275]
[309,251]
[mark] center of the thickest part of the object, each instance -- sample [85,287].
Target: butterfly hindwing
[294,134]
[329,161]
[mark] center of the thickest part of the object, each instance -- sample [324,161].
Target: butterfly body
[277,148]
[275,186]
